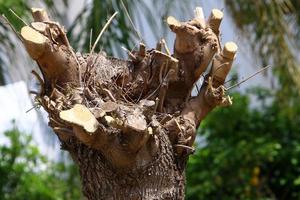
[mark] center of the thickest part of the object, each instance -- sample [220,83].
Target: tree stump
[130,124]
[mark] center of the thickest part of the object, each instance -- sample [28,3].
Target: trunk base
[162,179]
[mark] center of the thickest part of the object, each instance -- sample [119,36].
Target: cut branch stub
[39,15]
[54,59]
[135,122]
[195,46]
[222,63]
[174,24]
[40,27]
[186,35]
[35,42]
[215,20]
[212,92]
[136,131]
[81,116]
[199,18]
[230,49]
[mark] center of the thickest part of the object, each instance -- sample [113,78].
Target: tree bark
[130,124]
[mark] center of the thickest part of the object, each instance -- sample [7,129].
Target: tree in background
[272,28]
[252,154]
[26,174]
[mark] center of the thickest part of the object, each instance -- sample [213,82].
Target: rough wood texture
[130,124]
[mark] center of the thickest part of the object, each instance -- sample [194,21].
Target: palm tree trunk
[161,179]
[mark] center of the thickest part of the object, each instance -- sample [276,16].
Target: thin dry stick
[160,84]
[33,107]
[131,22]
[219,67]
[129,53]
[102,31]
[232,79]
[185,147]
[91,37]
[166,47]
[134,46]
[33,92]
[239,83]
[13,12]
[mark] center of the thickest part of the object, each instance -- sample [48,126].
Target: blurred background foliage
[249,153]
[26,174]
[272,28]
[250,150]
[8,41]
[121,32]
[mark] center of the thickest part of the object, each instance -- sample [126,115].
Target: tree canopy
[27,174]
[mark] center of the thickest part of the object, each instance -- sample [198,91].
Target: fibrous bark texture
[130,124]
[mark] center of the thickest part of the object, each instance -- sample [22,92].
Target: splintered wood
[81,116]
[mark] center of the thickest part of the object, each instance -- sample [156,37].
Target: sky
[17,107]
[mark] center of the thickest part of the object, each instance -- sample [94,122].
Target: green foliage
[7,38]
[26,174]
[272,28]
[120,32]
[20,7]
[247,153]
[93,18]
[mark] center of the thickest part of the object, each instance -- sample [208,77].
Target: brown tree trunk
[130,124]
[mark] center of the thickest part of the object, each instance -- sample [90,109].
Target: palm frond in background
[6,44]
[273,30]
[120,32]
[10,55]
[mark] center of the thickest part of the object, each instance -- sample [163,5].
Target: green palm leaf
[272,28]
[120,32]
